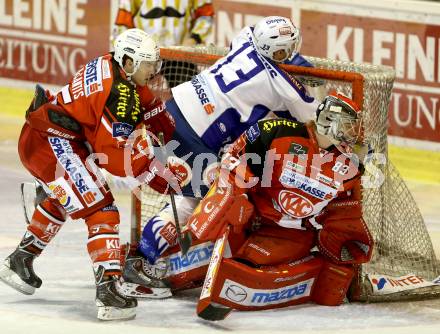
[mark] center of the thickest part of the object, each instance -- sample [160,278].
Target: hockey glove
[345,237]
[161,178]
[158,120]
[148,169]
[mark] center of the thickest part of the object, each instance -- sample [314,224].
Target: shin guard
[46,221]
[103,244]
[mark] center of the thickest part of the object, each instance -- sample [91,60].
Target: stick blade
[185,243]
[212,311]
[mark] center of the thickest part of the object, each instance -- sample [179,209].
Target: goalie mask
[139,46]
[339,118]
[277,38]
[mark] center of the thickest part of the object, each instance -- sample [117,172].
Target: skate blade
[14,281]
[107,313]
[140,291]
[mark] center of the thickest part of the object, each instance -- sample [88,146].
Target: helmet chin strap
[129,74]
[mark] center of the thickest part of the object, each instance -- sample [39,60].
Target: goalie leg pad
[272,245]
[332,284]
[189,271]
[246,288]
[103,243]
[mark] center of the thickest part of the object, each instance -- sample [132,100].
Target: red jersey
[289,177]
[104,107]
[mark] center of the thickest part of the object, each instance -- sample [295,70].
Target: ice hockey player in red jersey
[284,189]
[90,123]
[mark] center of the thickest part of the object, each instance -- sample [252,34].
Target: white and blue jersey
[214,109]
[237,91]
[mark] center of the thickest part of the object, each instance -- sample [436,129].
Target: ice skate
[17,272]
[112,304]
[143,280]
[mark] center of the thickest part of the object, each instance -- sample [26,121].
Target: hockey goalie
[286,215]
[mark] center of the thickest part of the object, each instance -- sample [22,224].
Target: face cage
[346,130]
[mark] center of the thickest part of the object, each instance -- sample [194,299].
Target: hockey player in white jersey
[216,106]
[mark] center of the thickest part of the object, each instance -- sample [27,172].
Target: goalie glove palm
[345,237]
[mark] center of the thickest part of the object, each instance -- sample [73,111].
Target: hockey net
[402,244]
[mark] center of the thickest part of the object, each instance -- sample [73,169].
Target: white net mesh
[403,245]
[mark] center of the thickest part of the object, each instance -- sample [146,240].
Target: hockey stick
[24,204]
[206,309]
[32,195]
[185,240]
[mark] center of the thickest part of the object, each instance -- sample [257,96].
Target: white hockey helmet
[276,33]
[139,46]
[339,118]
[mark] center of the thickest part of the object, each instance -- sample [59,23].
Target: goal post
[402,244]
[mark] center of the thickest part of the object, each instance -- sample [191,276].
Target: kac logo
[294,204]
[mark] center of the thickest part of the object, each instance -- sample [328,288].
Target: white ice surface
[65,302]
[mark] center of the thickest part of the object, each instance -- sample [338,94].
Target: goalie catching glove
[345,237]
